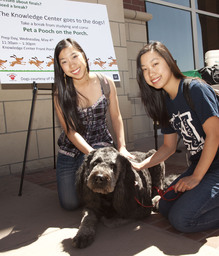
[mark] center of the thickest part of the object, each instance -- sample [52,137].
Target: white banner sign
[30,31]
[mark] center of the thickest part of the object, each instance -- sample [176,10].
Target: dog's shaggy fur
[108,187]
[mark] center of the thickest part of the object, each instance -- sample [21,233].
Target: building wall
[136,38]
[137,5]
[129,36]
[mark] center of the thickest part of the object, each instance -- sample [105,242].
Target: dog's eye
[97,161]
[113,166]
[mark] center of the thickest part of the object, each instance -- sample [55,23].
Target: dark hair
[64,88]
[154,99]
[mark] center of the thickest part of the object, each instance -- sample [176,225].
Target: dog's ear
[83,172]
[125,172]
[131,184]
[122,163]
[125,185]
[88,158]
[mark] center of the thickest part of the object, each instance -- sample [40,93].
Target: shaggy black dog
[109,187]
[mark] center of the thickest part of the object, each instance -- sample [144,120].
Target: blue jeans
[66,174]
[197,209]
[66,169]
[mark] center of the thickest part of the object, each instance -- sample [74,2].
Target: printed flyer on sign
[30,31]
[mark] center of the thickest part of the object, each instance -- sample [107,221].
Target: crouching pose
[191,110]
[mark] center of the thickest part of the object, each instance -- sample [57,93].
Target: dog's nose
[100,179]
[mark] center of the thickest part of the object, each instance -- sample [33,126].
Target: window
[189,28]
[207,5]
[181,2]
[208,34]
[166,27]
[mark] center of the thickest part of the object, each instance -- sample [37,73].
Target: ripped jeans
[197,209]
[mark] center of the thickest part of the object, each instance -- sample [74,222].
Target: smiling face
[155,70]
[73,62]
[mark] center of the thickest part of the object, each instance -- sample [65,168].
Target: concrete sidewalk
[34,224]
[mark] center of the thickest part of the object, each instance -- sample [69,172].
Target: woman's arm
[73,136]
[165,151]
[211,129]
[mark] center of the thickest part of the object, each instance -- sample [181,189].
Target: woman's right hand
[166,150]
[137,166]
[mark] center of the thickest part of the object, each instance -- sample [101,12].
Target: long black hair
[64,89]
[154,99]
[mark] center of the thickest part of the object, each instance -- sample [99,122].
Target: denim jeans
[66,169]
[66,173]
[197,209]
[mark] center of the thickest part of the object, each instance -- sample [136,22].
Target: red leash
[161,193]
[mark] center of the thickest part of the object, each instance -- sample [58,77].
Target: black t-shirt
[188,123]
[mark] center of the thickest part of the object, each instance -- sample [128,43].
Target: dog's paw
[82,240]
[155,203]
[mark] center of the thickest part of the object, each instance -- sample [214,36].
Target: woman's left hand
[186,183]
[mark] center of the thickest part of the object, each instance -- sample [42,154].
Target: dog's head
[103,170]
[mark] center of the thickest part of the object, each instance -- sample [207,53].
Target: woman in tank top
[81,108]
